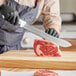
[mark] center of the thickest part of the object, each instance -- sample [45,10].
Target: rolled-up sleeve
[51,13]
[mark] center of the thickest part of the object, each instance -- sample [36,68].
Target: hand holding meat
[9,14]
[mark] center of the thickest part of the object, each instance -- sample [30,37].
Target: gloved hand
[52,32]
[9,14]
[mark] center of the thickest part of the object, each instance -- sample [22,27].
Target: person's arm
[51,15]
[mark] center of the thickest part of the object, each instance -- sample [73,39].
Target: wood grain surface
[26,59]
[72,48]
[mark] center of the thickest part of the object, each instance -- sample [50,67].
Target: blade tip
[69,45]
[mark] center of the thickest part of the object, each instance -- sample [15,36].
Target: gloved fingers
[9,18]
[57,35]
[16,21]
[15,18]
[12,21]
[54,33]
[51,32]
[47,31]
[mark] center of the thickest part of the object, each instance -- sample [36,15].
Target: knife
[58,41]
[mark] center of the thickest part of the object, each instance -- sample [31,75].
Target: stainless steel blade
[44,35]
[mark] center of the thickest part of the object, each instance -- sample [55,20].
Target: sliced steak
[45,73]
[46,48]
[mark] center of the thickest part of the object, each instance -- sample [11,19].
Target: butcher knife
[58,41]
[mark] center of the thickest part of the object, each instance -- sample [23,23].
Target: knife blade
[58,41]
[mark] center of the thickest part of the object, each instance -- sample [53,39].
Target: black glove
[52,32]
[9,14]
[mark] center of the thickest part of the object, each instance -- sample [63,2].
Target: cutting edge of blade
[68,45]
[65,43]
[60,42]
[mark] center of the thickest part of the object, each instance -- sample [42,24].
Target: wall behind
[68,6]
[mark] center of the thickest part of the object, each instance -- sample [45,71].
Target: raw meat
[45,73]
[46,48]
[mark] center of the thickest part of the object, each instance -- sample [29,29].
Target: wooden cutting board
[28,60]
[72,48]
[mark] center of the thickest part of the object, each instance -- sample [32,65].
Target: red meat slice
[45,73]
[46,48]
